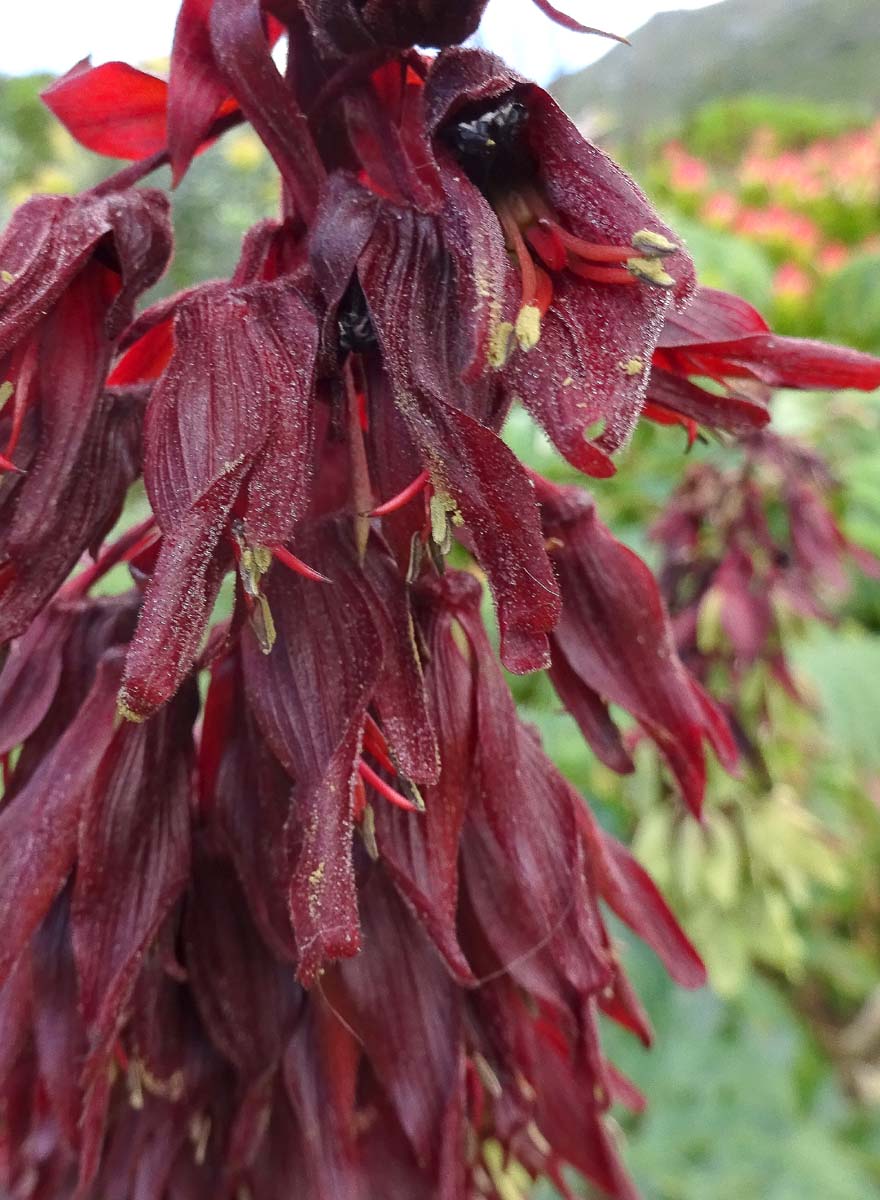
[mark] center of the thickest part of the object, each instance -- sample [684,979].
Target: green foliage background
[752,1094]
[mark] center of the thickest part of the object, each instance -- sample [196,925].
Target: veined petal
[615,636]
[420,852]
[427,1024]
[197,89]
[310,697]
[133,860]
[236,982]
[38,828]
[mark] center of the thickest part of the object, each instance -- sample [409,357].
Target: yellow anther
[499,344]
[528,327]
[650,270]
[653,245]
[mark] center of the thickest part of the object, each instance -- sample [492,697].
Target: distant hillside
[825,50]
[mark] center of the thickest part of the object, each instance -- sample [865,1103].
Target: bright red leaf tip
[113,109]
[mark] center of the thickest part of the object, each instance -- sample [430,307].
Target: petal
[30,676]
[38,827]
[133,860]
[799,362]
[320,1075]
[59,1033]
[310,696]
[50,238]
[591,714]
[235,981]
[400,693]
[628,889]
[253,805]
[197,88]
[420,851]
[242,52]
[615,636]
[178,601]
[243,368]
[74,493]
[735,413]
[113,109]
[398,970]
[711,316]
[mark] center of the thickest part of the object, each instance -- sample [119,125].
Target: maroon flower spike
[288,890]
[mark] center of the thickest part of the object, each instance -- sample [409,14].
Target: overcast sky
[54,34]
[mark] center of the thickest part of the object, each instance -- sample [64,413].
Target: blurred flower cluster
[812,207]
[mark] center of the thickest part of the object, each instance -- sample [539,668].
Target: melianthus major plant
[331,926]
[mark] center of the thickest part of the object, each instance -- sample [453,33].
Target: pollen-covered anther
[650,270]
[528,327]
[653,245]
[124,711]
[633,366]
[7,277]
[253,563]
[535,289]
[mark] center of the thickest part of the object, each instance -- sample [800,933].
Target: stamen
[6,464]
[650,270]
[618,275]
[528,322]
[296,564]
[375,744]
[653,245]
[402,498]
[591,251]
[359,803]
[548,247]
[385,789]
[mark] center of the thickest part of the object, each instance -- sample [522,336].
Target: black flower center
[490,145]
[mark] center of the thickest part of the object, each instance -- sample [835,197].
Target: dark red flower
[243,366]
[71,272]
[614,645]
[290,892]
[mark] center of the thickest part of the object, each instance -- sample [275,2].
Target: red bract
[723,339]
[290,897]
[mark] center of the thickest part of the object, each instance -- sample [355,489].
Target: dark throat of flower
[492,149]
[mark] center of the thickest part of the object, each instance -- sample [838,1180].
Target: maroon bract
[291,900]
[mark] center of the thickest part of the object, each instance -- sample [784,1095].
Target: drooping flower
[72,269]
[614,644]
[334,917]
